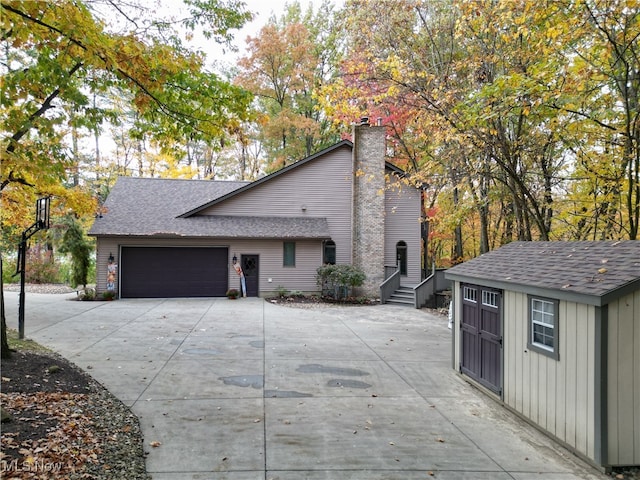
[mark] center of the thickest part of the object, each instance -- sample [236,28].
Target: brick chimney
[368,203]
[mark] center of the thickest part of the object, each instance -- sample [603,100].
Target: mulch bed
[64,424]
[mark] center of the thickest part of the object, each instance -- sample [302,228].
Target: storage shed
[552,329]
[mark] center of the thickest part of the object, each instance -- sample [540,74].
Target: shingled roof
[152,207]
[592,272]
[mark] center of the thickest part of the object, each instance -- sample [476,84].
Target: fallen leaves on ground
[68,445]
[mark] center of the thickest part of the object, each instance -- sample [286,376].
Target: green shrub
[108,295]
[338,281]
[87,294]
[75,243]
[8,271]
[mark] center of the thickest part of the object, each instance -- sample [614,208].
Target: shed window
[543,323]
[490,299]
[470,294]
[289,254]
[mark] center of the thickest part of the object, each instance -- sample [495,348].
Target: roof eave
[322,236]
[556,293]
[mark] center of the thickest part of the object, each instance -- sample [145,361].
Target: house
[344,205]
[552,330]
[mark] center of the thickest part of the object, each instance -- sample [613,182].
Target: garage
[153,272]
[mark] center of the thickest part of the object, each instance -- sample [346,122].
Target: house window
[401,256]
[329,255]
[289,254]
[543,326]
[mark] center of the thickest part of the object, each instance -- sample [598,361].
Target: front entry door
[482,336]
[250,267]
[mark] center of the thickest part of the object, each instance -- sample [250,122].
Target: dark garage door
[155,272]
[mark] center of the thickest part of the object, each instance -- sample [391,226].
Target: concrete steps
[402,296]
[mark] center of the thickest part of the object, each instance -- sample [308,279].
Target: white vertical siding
[457,315]
[402,222]
[623,402]
[557,395]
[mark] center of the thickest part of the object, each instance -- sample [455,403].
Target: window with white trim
[543,326]
[490,299]
[470,294]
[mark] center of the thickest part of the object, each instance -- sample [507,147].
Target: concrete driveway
[248,390]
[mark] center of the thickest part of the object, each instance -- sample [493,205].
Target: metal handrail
[389,286]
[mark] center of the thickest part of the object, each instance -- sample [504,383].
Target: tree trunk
[458,249]
[6,352]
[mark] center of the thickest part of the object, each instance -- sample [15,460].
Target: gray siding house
[344,205]
[552,329]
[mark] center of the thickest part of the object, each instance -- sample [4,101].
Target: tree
[57,55]
[287,62]
[601,55]
[76,244]
[5,352]
[528,110]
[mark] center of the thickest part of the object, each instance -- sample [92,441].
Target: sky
[263,9]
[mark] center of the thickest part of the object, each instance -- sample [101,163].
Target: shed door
[481,336]
[156,272]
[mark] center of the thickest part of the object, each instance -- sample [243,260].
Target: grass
[25,344]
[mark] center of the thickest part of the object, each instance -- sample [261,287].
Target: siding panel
[527,357]
[550,401]
[571,362]
[323,186]
[635,315]
[583,371]
[402,222]
[612,384]
[302,277]
[560,429]
[556,395]
[534,391]
[512,362]
[104,247]
[624,380]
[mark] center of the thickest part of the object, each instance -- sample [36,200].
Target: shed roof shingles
[584,267]
[150,207]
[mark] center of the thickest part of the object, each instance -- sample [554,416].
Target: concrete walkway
[248,390]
